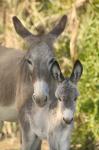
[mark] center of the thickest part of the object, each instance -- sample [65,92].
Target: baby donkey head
[67,91]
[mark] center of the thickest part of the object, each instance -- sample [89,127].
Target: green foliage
[88,103]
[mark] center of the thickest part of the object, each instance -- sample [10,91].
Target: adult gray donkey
[25,74]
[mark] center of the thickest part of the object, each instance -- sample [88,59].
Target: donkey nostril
[67,121]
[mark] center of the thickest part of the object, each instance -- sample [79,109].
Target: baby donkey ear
[55,70]
[77,72]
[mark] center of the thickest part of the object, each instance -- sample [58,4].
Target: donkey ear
[77,72]
[55,70]
[20,29]
[59,28]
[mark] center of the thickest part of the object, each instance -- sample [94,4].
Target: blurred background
[79,40]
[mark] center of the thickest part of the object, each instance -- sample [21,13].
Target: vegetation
[38,15]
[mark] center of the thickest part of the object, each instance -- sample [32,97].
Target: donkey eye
[75,98]
[29,61]
[59,99]
[30,65]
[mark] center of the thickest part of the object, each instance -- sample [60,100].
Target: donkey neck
[9,63]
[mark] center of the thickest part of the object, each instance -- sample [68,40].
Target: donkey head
[67,92]
[39,54]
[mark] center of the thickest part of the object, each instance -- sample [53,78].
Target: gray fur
[48,122]
[20,70]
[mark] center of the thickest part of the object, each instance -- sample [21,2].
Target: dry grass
[14,144]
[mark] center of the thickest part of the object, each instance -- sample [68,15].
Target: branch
[74,27]
[80,3]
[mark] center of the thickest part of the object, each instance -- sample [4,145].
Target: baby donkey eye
[75,98]
[59,99]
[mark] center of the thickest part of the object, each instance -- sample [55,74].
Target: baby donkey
[63,114]
[54,121]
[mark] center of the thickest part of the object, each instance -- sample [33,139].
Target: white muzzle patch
[68,114]
[41,88]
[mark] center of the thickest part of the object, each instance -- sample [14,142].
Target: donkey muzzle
[41,93]
[67,121]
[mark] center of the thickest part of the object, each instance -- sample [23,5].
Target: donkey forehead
[41,51]
[67,88]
